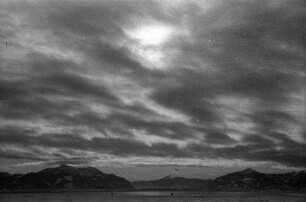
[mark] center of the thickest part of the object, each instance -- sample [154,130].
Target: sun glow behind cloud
[151,35]
[149,43]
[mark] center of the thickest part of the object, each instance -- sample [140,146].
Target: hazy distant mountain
[169,182]
[246,180]
[63,178]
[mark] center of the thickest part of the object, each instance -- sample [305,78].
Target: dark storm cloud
[63,82]
[258,140]
[272,119]
[20,156]
[94,28]
[244,61]
[258,148]
[72,65]
[75,161]
[124,147]
[188,99]
[247,63]
[215,136]
[173,130]
[9,90]
[49,77]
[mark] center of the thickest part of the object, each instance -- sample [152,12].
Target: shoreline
[177,191]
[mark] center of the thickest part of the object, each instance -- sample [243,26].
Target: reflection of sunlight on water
[164,196]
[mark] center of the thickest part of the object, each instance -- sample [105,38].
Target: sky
[145,89]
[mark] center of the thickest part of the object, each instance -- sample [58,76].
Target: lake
[154,196]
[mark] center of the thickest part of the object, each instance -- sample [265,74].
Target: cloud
[222,80]
[122,147]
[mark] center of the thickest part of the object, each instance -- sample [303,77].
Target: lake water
[154,196]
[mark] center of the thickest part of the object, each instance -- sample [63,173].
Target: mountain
[169,182]
[63,177]
[249,179]
[67,177]
[6,178]
[245,180]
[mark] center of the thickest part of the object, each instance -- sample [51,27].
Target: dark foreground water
[154,196]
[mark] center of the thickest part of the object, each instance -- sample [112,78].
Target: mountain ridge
[245,180]
[63,177]
[70,178]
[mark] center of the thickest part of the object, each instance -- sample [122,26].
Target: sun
[148,43]
[152,35]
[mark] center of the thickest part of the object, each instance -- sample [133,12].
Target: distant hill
[63,178]
[169,182]
[246,180]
